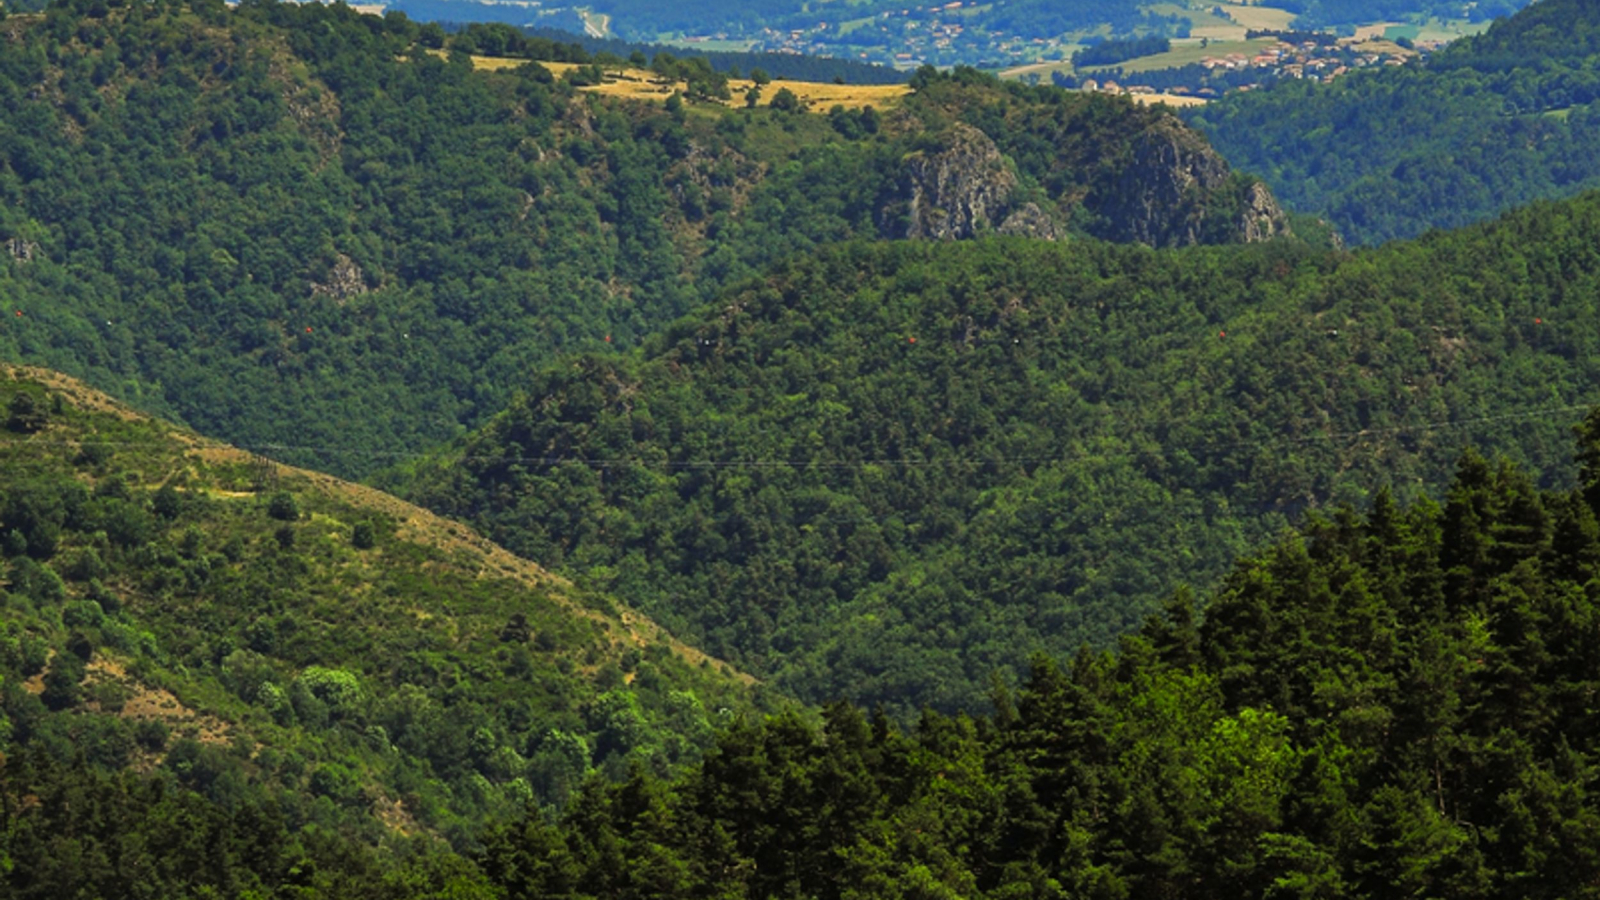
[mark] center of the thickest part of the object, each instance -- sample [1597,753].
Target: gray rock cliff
[956,190]
[1158,183]
[1173,190]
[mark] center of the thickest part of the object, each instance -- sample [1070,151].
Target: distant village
[908,38]
[1306,60]
[938,35]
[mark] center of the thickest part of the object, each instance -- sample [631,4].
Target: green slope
[255,631]
[291,224]
[885,472]
[1492,122]
[1393,705]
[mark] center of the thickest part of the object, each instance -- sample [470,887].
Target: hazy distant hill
[1493,122]
[855,24]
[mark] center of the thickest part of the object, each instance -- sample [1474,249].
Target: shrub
[283,507]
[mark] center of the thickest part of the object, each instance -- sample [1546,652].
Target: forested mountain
[263,635]
[883,472]
[1490,123]
[292,224]
[1394,705]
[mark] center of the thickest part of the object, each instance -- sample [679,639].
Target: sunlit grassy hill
[172,602]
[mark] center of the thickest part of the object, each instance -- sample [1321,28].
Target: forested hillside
[1391,704]
[1488,124]
[292,224]
[884,472]
[265,636]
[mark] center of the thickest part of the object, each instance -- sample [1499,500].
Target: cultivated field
[1044,69]
[1259,17]
[1183,54]
[1203,23]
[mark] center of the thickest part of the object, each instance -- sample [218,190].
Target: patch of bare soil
[145,702]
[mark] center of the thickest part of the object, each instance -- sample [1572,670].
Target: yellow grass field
[642,84]
[1173,100]
[1388,48]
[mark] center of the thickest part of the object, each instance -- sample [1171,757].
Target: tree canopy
[884,471]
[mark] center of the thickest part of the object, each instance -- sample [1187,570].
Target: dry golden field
[1173,100]
[642,84]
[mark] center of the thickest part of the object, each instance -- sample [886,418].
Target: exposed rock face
[1132,175]
[22,250]
[1261,218]
[1160,185]
[1172,190]
[952,193]
[1029,220]
[345,280]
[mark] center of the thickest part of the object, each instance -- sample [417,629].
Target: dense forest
[1398,704]
[1490,123]
[263,636]
[281,220]
[885,471]
[1390,704]
[1096,410]
[1109,53]
[292,224]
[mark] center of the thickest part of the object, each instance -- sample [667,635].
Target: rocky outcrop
[345,280]
[1029,220]
[957,189]
[1173,190]
[1156,183]
[22,250]
[1260,216]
